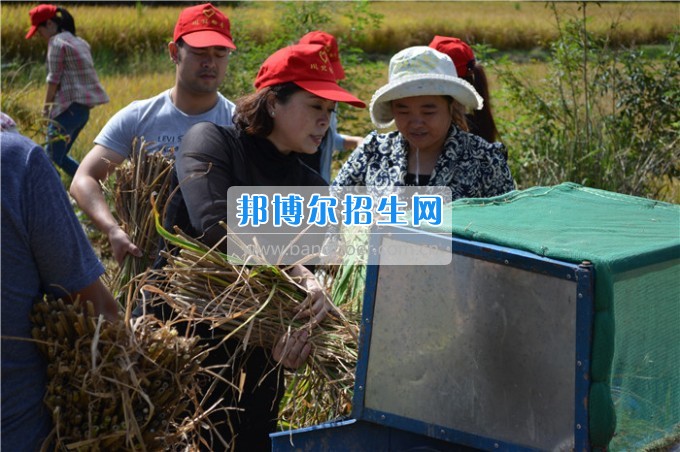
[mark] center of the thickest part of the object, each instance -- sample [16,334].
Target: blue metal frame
[581,274]
[585,302]
[357,436]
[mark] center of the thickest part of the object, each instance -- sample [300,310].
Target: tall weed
[605,117]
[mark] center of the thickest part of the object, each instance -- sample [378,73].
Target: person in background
[44,251]
[200,51]
[431,145]
[480,122]
[288,115]
[73,87]
[333,141]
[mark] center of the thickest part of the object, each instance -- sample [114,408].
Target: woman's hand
[292,349]
[317,304]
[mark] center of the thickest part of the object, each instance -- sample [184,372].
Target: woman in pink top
[72,83]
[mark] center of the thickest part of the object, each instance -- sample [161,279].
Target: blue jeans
[62,131]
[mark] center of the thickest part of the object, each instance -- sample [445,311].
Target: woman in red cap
[72,83]
[288,115]
[481,122]
[333,141]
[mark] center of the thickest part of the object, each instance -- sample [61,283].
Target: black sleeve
[204,166]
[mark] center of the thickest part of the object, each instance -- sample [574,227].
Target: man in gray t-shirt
[200,50]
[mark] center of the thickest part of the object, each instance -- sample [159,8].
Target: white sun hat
[420,71]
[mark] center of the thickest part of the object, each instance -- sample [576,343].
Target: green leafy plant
[605,117]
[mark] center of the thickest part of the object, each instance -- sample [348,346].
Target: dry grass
[139,179]
[122,89]
[513,25]
[257,304]
[504,25]
[122,29]
[128,385]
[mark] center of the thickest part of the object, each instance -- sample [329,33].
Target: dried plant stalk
[117,386]
[310,399]
[143,175]
[257,304]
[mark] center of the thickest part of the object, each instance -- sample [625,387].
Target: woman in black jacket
[288,115]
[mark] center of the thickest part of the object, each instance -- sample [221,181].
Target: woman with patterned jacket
[431,145]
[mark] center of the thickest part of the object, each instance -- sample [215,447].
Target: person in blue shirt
[44,251]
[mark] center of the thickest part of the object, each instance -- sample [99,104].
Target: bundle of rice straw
[144,174]
[257,304]
[117,386]
[309,398]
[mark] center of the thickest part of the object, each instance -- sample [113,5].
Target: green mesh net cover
[634,245]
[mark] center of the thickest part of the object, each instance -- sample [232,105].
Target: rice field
[120,30]
[129,44]
[129,47]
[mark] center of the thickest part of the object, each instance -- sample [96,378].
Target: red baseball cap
[330,45]
[203,26]
[457,50]
[309,67]
[40,14]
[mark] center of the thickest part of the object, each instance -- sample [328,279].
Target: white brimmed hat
[420,71]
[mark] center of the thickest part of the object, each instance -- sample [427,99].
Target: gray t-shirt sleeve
[119,131]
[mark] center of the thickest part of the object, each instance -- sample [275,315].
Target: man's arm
[86,189]
[350,142]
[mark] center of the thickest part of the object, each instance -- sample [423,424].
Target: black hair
[252,110]
[458,113]
[64,21]
[481,122]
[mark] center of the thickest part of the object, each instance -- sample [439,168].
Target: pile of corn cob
[116,386]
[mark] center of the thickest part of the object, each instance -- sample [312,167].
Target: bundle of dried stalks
[258,303]
[144,174]
[117,386]
[309,398]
